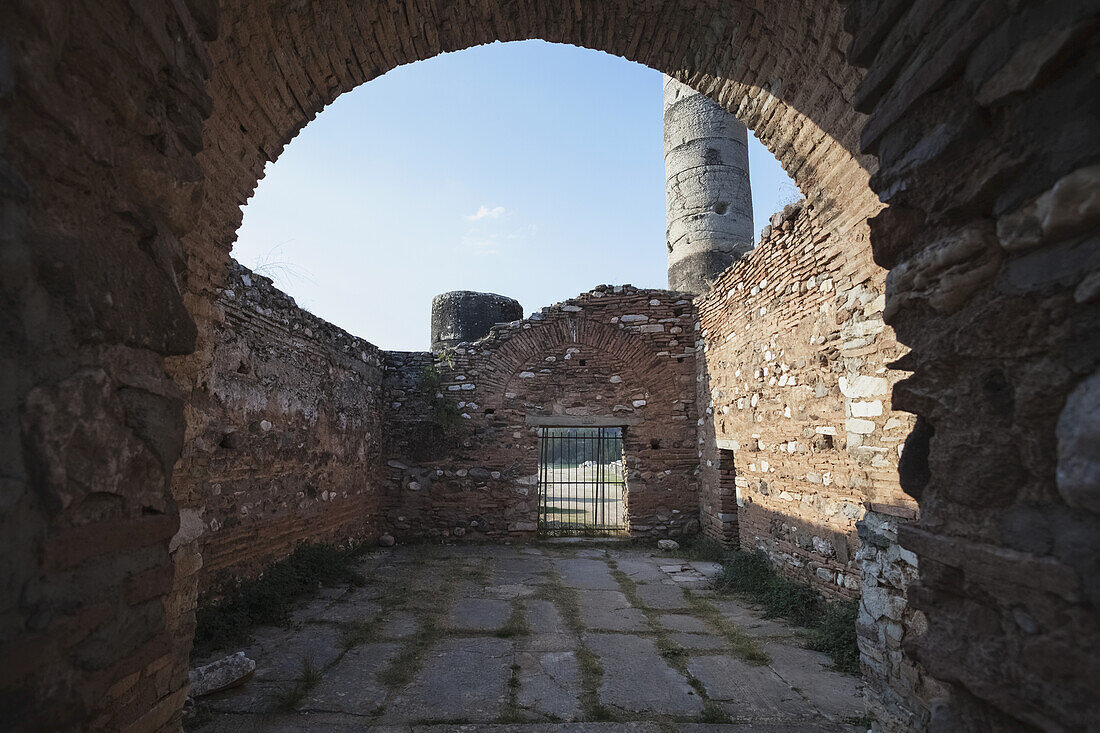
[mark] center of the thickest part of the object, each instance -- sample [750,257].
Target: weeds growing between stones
[289,698]
[269,599]
[832,624]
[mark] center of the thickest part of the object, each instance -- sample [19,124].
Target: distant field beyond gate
[581,483]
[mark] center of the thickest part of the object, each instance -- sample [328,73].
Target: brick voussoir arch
[522,345]
[779,68]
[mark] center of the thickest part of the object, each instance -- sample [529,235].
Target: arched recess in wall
[528,345]
[275,64]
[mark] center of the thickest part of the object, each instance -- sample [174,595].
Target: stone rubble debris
[227,672]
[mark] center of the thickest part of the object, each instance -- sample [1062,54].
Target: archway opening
[544,178]
[442,440]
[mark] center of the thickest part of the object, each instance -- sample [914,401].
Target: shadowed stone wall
[615,356]
[290,447]
[979,114]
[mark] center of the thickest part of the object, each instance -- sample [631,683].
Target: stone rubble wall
[794,387]
[982,116]
[290,444]
[312,434]
[615,353]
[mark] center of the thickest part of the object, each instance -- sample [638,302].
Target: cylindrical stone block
[709,204]
[463,315]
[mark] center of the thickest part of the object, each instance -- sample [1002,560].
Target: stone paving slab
[392,572]
[543,617]
[665,597]
[749,692]
[508,591]
[585,574]
[699,642]
[479,614]
[641,569]
[333,592]
[522,569]
[350,611]
[636,678]
[461,679]
[281,653]
[706,568]
[400,625]
[752,621]
[687,624]
[352,686]
[835,695]
[311,611]
[549,684]
[609,610]
[253,696]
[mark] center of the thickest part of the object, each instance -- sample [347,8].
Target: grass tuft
[832,624]
[714,714]
[356,633]
[699,547]
[670,650]
[741,643]
[516,625]
[408,661]
[270,598]
[835,635]
[289,698]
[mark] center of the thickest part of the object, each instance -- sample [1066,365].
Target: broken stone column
[463,315]
[709,205]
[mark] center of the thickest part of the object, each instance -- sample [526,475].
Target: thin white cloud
[492,231]
[484,212]
[482,245]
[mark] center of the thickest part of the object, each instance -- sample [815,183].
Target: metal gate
[581,482]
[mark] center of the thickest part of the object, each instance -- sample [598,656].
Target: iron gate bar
[579,492]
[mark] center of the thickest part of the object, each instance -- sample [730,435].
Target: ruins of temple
[893,395]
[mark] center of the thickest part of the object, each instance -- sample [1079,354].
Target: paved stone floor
[549,637]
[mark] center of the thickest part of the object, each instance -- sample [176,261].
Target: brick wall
[289,447]
[617,354]
[800,447]
[312,434]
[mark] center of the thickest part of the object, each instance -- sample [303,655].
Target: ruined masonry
[892,395]
[463,315]
[709,200]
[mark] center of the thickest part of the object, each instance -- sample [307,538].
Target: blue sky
[529,169]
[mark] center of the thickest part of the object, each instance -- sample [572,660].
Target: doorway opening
[582,484]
